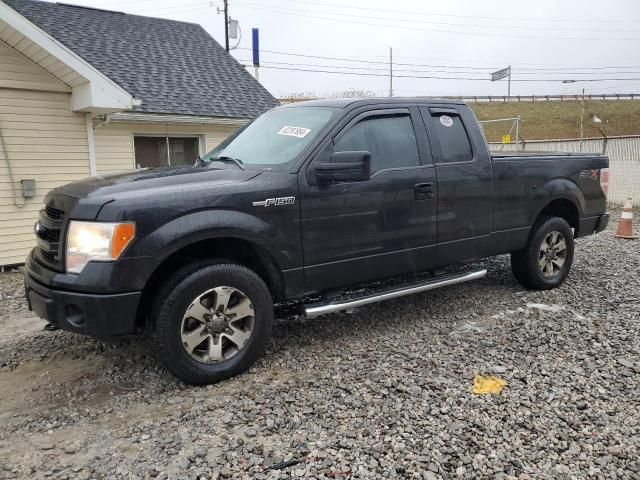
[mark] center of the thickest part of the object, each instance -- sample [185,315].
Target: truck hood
[156,178]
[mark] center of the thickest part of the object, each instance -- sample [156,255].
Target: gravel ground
[379,392]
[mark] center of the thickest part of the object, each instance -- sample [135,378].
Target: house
[88,92]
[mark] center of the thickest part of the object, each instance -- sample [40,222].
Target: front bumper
[97,315]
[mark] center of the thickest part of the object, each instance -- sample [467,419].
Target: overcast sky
[548,39]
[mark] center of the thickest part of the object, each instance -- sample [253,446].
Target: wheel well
[237,250]
[565,209]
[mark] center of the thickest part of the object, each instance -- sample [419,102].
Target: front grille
[49,238]
[51,257]
[53,213]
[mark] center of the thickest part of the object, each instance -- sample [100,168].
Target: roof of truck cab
[353,102]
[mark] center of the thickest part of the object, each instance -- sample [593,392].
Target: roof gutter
[167,118]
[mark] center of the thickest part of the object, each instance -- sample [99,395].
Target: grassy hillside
[546,120]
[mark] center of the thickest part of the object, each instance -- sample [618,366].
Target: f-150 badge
[274,202]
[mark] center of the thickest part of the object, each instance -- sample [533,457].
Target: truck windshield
[274,138]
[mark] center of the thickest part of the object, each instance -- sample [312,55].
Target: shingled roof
[173,67]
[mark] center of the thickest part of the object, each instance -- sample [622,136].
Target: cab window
[453,138]
[391,140]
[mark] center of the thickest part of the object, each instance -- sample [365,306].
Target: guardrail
[546,98]
[512,98]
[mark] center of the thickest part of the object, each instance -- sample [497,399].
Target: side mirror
[345,167]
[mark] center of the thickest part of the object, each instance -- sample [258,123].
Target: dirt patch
[35,387]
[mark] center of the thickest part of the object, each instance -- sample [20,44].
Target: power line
[439,22]
[355,20]
[364,74]
[409,12]
[467,67]
[474,17]
[520,70]
[613,87]
[437,77]
[348,67]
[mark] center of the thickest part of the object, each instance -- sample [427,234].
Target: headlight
[96,241]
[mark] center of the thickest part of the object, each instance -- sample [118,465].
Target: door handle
[423,191]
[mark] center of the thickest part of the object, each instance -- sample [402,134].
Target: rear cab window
[455,145]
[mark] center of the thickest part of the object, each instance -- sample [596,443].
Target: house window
[162,151]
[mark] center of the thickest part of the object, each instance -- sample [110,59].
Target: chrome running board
[320,308]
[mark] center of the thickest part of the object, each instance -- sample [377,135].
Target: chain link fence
[624,160]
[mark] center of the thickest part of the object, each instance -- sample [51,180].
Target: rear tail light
[604,180]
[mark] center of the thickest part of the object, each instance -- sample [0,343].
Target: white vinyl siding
[18,72]
[45,142]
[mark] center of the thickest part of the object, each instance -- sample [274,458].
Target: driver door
[360,231]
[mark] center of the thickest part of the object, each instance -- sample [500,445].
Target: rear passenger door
[465,183]
[359,231]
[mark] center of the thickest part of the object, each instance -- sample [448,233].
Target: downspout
[11,177]
[91,144]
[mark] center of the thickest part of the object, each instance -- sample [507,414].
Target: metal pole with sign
[390,71]
[256,51]
[504,73]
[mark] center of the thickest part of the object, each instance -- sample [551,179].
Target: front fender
[133,271]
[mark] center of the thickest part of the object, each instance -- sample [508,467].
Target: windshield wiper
[226,159]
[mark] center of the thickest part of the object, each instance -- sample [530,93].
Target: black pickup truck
[303,207]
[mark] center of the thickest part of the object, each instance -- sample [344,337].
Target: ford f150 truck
[303,207]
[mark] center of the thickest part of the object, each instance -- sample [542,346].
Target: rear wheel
[546,260]
[211,322]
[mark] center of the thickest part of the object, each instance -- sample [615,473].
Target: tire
[185,311]
[546,260]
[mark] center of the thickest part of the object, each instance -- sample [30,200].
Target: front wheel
[546,260]
[211,322]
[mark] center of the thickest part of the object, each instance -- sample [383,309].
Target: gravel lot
[379,392]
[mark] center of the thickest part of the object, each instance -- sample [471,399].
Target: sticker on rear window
[446,120]
[298,132]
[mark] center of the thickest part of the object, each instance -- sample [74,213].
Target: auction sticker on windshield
[298,132]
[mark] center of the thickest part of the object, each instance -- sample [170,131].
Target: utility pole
[390,71]
[581,120]
[226,25]
[509,83]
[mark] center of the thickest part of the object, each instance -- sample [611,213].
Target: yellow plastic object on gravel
[487,385]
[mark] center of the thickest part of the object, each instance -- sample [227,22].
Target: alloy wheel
[217,324]
[553,254]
